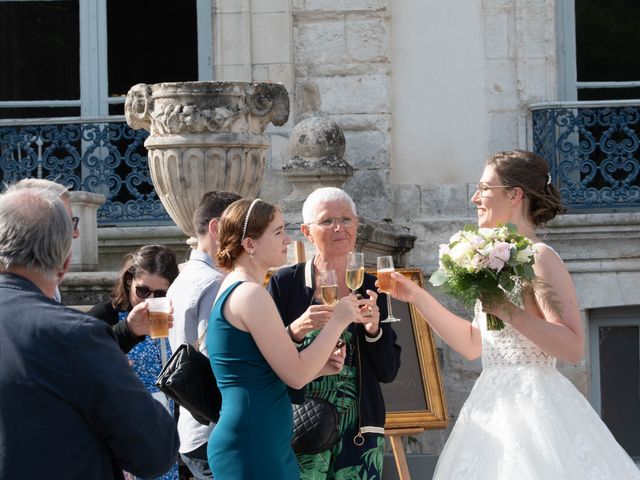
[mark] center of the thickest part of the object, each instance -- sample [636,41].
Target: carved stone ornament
[205,136]
[316,146]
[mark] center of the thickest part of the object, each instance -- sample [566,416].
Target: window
[597,49]
[162,46]
[40,55]
[72,58]
[614,335]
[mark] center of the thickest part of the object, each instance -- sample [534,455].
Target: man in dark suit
[70,405]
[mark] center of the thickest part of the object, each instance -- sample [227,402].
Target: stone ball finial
[316,147]
[316,138]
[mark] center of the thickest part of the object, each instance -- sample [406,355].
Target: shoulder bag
[187,379]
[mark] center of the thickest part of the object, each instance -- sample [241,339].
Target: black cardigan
[106,312]
[380,359]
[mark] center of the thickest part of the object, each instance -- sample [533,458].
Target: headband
[246,218]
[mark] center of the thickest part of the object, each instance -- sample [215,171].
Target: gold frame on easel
[430,390]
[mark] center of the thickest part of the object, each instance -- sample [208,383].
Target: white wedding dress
[524,420]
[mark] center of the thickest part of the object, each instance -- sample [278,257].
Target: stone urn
[205,136]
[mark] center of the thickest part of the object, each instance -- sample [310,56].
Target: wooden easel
[395,437]
[299,254]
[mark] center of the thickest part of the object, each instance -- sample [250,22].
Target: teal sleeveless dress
[252,439]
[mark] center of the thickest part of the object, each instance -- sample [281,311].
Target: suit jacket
[70,405]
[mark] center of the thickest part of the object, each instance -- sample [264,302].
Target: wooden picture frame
[415,399]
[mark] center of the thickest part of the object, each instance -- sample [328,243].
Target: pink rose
[499,255]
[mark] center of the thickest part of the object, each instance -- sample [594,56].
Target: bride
[523,420]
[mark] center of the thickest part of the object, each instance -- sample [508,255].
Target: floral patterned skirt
[345,460]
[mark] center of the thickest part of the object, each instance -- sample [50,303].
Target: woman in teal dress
[252,355]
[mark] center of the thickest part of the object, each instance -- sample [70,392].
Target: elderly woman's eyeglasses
[332,222]
[145,292]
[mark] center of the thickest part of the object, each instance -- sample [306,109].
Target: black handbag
[316,426]
[187,379]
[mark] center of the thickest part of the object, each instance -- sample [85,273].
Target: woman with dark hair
[253,357]
[146,273]
[141,272]
[523,419]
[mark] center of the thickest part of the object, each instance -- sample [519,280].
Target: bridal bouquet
[486,264]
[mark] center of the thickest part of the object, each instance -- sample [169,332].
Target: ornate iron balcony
[593,151]
[100,155]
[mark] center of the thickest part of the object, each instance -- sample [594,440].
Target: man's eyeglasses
[483,188]
[346,221]
[146,292]
[75,221]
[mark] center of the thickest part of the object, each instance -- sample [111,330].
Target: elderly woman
[330,223]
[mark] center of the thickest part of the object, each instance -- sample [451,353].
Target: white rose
[461,253]
[524,256]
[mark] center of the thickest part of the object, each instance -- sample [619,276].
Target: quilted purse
[187,379]
[316,426]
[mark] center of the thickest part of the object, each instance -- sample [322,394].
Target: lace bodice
[508,346]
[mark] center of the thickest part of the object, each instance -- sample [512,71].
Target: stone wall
[335,58]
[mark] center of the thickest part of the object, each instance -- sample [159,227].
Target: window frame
[566,53]
[626,316]
[94,98]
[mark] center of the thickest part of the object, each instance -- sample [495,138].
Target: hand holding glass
[159,312]
[355,270]
[386,283]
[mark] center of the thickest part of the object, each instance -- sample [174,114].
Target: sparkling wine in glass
[386,283]
[329,287]
[355,270]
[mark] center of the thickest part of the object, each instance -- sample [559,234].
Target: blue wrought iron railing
[594,152]
[100,155]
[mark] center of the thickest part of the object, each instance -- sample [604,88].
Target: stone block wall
[342,49]
[335,58]
[340,66]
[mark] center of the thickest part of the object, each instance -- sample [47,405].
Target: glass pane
[607,39]
[161,45]
[608,93]
[117,109]
[40,41]
[620,384]
[39,112]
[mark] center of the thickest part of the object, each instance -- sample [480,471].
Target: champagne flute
[355,270]
[329,287]
[386,284]
[329,293]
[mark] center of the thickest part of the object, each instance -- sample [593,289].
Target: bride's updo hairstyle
[243,218]
[530,172]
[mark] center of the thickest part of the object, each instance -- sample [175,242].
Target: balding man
[128,334]
[70,405]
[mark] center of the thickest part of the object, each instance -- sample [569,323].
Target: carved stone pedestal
[84,251]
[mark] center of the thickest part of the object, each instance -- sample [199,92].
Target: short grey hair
[35,230]
[323,195]
[41,184]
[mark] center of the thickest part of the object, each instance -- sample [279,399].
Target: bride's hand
[500,307]
[404,289]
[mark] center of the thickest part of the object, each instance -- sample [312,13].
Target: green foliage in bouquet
[486,264]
